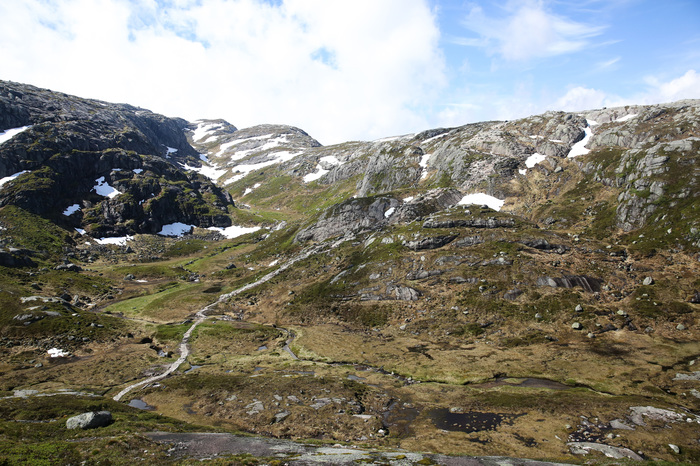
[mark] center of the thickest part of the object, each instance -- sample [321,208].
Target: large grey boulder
[91,420]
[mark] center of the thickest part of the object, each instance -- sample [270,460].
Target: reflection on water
[140,404]
[469,422]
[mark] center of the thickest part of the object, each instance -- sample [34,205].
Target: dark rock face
[73,142]
[432,242]
[589,284]
[490,222]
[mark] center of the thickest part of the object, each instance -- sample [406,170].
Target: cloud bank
[340,70]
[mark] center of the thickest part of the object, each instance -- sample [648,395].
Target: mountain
[525,288]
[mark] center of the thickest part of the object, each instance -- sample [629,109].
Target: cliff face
[110,169]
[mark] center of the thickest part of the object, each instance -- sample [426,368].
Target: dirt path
[201,316]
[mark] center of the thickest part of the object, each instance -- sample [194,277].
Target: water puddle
[470,422]
[262,348]
[193,367]
[140,404]
[356,378]
[398,418]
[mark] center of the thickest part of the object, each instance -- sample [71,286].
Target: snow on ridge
[12,177]
[71,210]
[271,144]
[12,132]
[104,189]
[580,147]
[482,199]
[234,231]
[203,130]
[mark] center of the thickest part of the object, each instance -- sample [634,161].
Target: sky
[356,70]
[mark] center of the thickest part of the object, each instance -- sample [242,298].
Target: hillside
[523,288]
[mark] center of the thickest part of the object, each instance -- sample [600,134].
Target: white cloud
[582,98]
[527,31]
[658,91]
[338,70]
[684,87]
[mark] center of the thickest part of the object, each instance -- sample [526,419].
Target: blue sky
[364,69]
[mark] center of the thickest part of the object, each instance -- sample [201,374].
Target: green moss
[30,231]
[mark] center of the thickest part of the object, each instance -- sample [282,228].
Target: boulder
[90,420]
[590,284]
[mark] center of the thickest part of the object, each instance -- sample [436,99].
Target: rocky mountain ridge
[523,287]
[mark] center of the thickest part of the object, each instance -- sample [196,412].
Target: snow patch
[273,263]
[203,130]
[522,171]
[331,160]
[12,177]
[81,231]
[118,240]
[138,171]
[580,147]
[234,231]
[316,175]
[58,353]
[210,171]
[12,132]
[71,210]
[625,118]
[175,229]
[103,189]
[536,136]
[482,199]
[424,164]
[389,212]
[534,159]
[408,199]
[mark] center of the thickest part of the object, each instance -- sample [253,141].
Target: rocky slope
[109,169]
[526,287]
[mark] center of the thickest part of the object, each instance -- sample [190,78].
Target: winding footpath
[201,316]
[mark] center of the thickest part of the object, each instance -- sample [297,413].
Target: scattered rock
[513,294]
[576,326]
[675,448]
[648,281]
[583,448]
[279,417]
[90,420]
